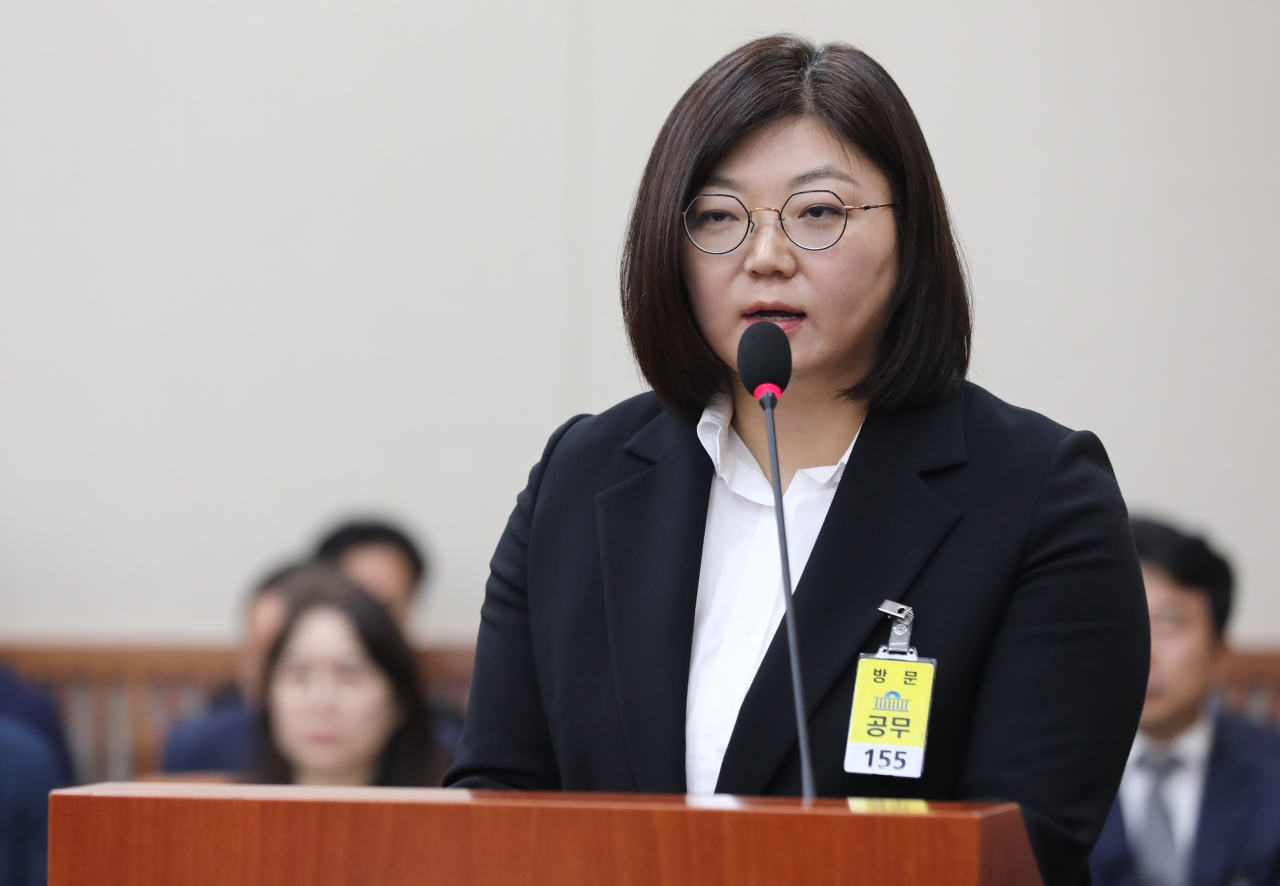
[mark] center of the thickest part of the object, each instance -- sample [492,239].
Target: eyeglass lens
[718,223]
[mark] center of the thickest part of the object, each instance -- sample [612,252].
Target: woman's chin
[326,764]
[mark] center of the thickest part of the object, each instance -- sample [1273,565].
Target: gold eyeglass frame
[751,224]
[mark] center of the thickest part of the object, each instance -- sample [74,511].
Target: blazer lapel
[651,530]
[1111,861]
[1224,810]
[883,525]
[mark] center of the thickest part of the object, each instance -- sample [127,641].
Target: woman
[342,704]
[629,634]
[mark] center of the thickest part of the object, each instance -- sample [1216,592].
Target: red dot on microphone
[766,388]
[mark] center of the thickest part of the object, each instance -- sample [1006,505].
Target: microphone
[764,365]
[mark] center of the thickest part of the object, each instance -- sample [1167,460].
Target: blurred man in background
[380,558]
[1200,801]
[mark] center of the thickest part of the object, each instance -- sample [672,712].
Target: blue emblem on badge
[891,701]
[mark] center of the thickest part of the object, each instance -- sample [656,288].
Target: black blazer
[1004,531]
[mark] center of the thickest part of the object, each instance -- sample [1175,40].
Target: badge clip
[900,634]
[889,720]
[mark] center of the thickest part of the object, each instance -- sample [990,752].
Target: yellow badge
[890,718]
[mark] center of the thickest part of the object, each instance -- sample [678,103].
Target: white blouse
[740,601]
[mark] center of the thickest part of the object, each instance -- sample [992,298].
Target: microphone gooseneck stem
[768,401]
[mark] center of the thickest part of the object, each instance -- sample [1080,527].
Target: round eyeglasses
[813,220]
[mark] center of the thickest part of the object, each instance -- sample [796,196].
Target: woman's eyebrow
[804,178]
[722,181]
[820,173]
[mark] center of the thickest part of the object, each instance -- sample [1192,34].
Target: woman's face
[332,708]
[829,302]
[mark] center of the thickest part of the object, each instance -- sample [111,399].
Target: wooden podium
[184,834]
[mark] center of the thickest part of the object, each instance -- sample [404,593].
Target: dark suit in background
[224,738]
[29,770]
[22,701]
[1237,840]
[219,740]
[1006,533]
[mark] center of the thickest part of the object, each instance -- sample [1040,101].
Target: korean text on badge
[890,718]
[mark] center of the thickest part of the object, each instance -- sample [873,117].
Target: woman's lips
[786,320]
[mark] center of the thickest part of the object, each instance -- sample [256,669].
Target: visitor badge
[888,725]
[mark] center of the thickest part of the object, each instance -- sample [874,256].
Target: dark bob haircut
[923,344]
[411,756]
[1190,562]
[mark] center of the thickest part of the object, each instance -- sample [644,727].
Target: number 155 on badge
[890,717]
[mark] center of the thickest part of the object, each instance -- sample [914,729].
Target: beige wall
[248,280]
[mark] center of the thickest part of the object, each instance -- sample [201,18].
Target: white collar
[1191,747]
[737,467]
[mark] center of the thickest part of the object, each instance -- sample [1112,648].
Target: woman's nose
[322,691]
[768,248]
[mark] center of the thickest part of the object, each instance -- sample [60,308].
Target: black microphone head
[764,356]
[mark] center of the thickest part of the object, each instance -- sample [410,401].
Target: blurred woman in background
[342,702]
